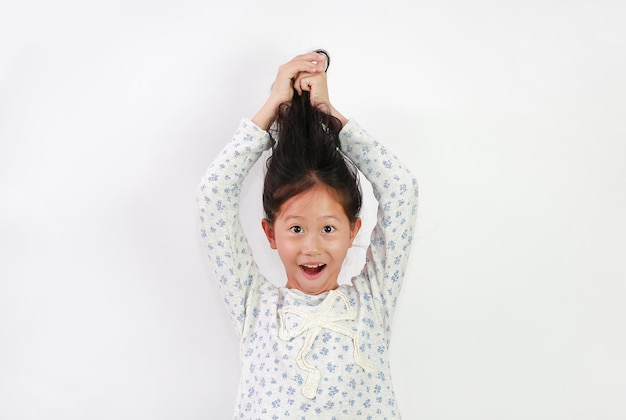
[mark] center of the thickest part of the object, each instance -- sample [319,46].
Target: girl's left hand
[316,84]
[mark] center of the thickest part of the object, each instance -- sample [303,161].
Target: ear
[354,229]
[268,228]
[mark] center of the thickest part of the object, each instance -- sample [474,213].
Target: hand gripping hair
[308,153]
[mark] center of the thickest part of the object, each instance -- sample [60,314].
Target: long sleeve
[229,254]
[300,352]
[395,189]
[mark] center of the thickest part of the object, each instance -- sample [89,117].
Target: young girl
[313,348]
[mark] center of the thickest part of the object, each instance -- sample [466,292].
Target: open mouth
[312,269]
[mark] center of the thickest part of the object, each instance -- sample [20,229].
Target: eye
[296,229]
[328,229]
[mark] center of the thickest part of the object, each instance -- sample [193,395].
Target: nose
[312,244]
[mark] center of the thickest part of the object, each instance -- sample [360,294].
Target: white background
[512,114]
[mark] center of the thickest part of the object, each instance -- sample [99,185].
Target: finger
[298,81]
[326,58]
[315,57]
[316,85]
[306,81]
[296,86]
[301,84]
[309,63]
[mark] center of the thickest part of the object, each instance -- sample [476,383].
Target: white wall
[511,114]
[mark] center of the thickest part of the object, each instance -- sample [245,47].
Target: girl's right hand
[282,89]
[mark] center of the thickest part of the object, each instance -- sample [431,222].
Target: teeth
[313,266]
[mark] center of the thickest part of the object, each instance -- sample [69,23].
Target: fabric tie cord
[334,308]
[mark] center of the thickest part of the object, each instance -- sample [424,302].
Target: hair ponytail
[308,153]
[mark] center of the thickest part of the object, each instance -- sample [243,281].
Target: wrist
[338,115]
[266,115]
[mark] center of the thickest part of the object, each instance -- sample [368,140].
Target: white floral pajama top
[302,356]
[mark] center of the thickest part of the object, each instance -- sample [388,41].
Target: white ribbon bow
[312,321]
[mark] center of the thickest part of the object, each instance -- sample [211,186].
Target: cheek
[286,247]
[340,247]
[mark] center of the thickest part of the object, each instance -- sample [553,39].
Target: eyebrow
[296,217]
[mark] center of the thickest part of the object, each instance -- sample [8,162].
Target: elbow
[202,191]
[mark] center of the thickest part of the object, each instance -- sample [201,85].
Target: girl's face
[312,234]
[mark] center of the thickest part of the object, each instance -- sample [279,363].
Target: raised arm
[218,195]
[218,200]
[395,189]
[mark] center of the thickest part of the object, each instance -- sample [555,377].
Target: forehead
[318,202]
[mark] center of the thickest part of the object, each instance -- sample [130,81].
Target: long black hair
[308,153]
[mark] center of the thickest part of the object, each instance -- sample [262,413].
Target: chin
[319,289]
[307,287]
